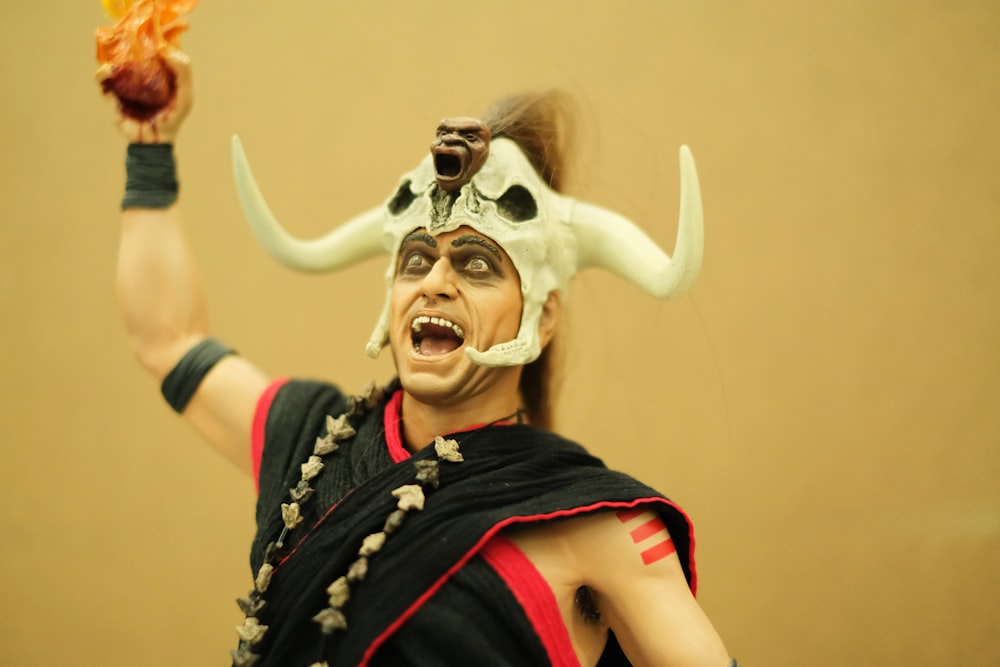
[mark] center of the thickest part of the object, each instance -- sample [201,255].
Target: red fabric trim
[460,563]
[535,597]
[259,424]
[391,420]
[306,536]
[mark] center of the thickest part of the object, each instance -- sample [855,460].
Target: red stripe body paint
[627,515]
[647,530]
[661,550]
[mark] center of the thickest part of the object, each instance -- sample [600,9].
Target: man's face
[451,291]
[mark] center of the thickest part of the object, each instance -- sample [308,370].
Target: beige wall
[824,402]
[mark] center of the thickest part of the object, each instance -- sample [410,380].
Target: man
[431,522]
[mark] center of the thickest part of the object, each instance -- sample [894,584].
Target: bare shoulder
[628,562]
[625,544]
[596,549]
[641,592]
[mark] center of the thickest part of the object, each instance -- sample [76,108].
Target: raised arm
[159,286]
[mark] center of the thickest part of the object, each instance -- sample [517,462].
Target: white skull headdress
[548,236]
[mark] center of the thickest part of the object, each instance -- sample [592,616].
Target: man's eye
[415,263]
[478,265]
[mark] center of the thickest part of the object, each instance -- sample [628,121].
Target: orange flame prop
[141,80]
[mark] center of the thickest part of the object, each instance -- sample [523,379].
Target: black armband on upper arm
[183,380]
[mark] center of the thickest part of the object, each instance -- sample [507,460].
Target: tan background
[824,402]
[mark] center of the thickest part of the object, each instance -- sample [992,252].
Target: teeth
[419,322]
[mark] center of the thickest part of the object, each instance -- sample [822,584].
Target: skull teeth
[419,322]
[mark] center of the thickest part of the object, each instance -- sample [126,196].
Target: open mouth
[447,165]
[435,335]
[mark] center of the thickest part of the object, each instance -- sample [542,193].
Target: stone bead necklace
[410,498]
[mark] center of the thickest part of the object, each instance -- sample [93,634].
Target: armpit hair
[586,606]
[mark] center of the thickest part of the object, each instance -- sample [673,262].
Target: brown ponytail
[541,124]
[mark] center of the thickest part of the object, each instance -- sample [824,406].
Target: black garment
[428,599]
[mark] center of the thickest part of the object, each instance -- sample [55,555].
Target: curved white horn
[611,241]
[354,241]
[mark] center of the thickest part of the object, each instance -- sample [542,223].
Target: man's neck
[421,422]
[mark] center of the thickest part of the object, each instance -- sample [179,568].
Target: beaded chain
[410,498]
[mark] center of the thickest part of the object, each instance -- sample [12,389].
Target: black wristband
[151,176]
[183,380]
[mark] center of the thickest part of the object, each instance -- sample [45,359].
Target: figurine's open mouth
[448,164]
[435,335]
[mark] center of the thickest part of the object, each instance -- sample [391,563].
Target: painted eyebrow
[422,237]
[476,240]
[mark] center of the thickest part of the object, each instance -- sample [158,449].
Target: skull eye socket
[517,204]
[402,199]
